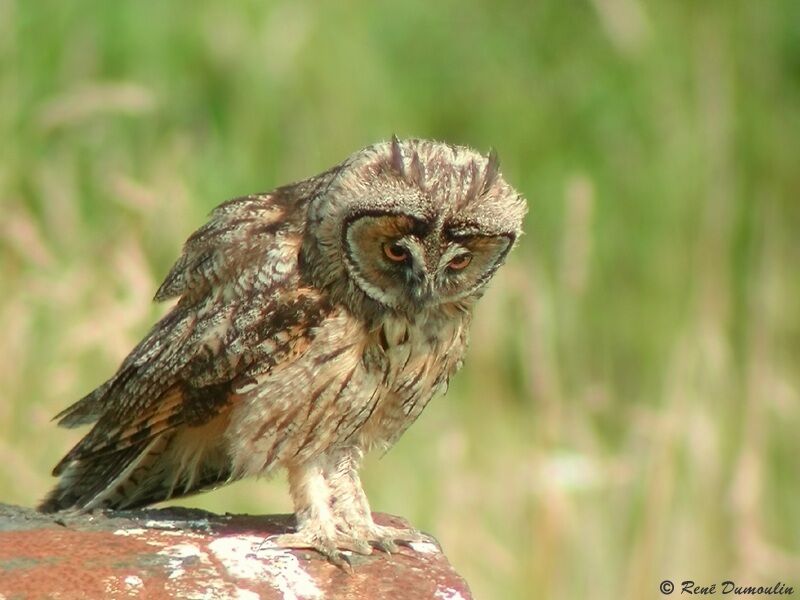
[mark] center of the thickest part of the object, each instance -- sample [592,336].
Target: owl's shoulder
[240,236]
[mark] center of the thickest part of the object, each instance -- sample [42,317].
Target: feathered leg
[317,525]
[351,508]
[333,512]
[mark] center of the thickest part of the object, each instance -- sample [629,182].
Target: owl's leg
[351,509]
[316,523]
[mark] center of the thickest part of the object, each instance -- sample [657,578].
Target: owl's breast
[351,386]
[416,360]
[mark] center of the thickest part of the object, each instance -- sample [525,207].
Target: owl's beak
[422,293]
[419,286]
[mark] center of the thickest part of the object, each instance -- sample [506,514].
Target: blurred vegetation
[629,410]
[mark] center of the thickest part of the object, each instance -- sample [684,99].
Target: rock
[185,553]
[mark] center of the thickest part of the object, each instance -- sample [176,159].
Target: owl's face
[403,262]
[412,225]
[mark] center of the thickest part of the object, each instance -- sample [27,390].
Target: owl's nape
[313,323]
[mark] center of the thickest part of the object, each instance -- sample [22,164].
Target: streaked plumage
[314,322]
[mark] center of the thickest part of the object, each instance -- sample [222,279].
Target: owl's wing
[242,304]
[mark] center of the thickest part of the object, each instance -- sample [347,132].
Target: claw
[341,560]
[385,545]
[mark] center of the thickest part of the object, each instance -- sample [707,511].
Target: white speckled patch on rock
[448,594]
[280,568]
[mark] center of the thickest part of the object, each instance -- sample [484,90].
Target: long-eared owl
[313,323]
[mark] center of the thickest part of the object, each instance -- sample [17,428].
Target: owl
[312,323]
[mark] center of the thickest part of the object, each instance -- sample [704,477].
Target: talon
[341,560]
[386,545]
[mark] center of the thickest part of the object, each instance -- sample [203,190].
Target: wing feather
[243,310]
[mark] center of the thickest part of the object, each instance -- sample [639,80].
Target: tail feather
[82,482]
[139,475]
[140,430]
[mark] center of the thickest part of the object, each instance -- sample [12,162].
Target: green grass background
[630,408]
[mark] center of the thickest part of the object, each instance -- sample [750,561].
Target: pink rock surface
[182,553]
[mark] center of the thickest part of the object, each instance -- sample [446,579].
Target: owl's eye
[460,262]
[395,252]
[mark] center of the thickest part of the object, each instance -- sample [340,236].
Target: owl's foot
[360,540]
[388,539]
[330,546]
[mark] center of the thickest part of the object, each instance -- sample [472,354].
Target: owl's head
[411,225]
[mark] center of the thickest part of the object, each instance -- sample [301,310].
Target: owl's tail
[175,464]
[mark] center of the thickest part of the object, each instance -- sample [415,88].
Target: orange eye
[395,252]
[460,262]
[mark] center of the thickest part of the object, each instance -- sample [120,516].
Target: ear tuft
[397,157]
[492,170]
[416,171]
